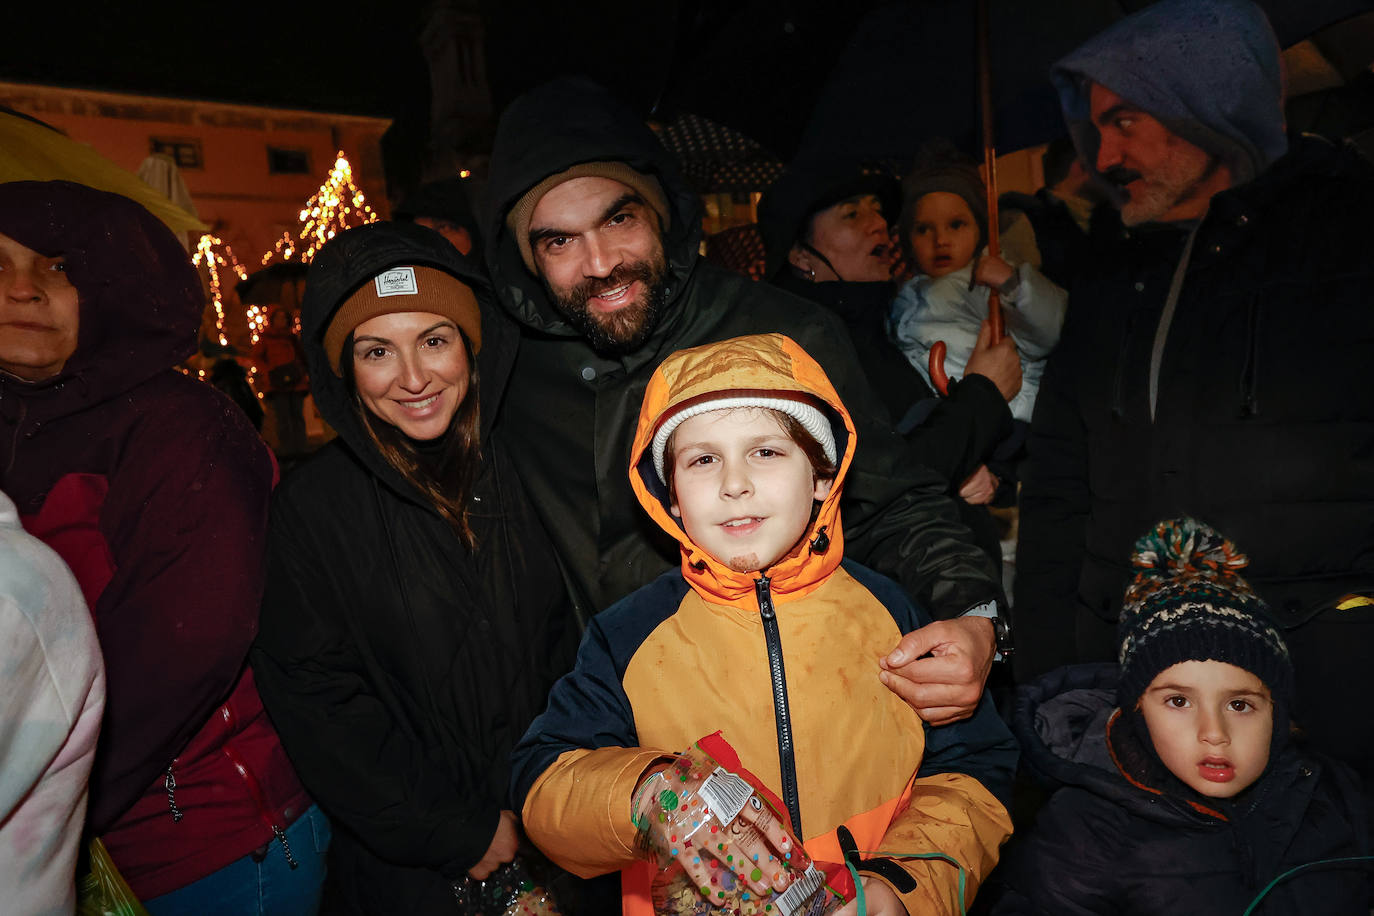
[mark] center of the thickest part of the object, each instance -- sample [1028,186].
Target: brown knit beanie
[647,186]
[405,289]
[939,166]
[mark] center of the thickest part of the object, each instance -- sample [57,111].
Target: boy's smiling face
[743,489]
[1211,723]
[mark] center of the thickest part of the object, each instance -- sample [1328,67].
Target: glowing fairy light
[285,246]
[257,320]
[214,255]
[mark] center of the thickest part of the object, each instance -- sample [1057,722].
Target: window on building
[288,161]
[185,152]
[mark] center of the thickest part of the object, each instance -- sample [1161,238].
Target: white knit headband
[811,419]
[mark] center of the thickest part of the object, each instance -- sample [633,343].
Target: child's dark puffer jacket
[1108,841]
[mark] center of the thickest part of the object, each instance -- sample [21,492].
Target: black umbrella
[909,72]
[752,65]
[716,158]
[875,76]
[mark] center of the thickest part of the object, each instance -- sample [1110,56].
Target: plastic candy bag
[511,890]
[102,891]
[722,847]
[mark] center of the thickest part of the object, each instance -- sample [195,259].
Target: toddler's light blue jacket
[928,309]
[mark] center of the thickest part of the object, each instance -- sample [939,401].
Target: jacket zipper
[787,761]
[265,811]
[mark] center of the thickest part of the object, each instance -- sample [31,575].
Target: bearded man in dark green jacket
[594,251]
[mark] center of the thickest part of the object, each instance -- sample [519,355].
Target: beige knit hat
[405,289]
[518,219]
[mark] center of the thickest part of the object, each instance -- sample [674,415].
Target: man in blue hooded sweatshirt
[1214,362]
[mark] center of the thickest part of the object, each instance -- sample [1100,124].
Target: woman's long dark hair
[448,488]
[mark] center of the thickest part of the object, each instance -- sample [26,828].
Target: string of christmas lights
[284,247]
[213,254]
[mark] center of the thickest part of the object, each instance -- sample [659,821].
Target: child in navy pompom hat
[1179,790]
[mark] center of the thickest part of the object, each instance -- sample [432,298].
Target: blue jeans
[267,888]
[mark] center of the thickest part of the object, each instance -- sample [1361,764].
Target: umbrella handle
[938,378]
[936,363]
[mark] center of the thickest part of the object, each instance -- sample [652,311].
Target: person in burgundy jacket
[153,487]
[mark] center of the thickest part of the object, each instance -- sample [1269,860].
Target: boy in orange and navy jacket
[768,636]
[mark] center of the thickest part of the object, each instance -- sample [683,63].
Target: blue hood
[1208,70]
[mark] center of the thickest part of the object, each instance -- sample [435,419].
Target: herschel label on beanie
[397,289]
[399,281]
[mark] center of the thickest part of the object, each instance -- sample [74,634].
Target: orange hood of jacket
[767,364]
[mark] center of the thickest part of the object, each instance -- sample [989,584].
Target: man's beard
[626,328]
[1176,180]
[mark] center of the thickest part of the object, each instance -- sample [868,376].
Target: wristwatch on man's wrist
[1001,627]
[1001,631]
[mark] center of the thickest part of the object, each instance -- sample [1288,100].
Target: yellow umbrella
[32,151]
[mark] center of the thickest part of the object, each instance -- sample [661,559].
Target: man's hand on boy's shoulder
[941,668]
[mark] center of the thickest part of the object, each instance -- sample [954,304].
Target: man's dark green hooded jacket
[569,413]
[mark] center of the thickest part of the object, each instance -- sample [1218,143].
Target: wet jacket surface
[153,487]
[1111,841]
[650,667]
[571,413]
[400,667]
[1267,445]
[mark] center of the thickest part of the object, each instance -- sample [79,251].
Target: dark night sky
[347,56]
[364,58]
[337,56]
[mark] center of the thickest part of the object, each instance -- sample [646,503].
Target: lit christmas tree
[338,205]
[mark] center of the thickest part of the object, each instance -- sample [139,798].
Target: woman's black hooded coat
[399,667]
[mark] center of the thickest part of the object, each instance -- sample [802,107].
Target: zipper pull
[763,597]
[285,846]
[170,782]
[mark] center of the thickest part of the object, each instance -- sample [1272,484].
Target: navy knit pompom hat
[1189,603]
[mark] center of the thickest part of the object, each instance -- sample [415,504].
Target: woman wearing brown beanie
[414,616]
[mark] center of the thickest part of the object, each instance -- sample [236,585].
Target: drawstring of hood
[1166,318]
[1249,403]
